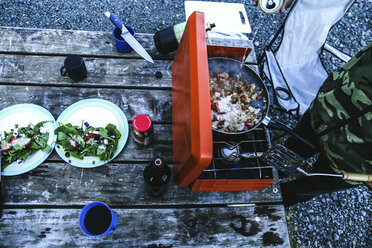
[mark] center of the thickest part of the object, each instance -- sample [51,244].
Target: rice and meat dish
[234,103]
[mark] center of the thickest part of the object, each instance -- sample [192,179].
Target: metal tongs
[292,164]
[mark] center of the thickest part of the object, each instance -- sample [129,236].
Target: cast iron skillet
[233,67]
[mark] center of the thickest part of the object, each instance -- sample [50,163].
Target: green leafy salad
[87,140]
[21,142]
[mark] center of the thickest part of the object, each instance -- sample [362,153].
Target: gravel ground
[339,219]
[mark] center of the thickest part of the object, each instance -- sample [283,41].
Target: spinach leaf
[67,129]
[112,128]
[86,140]
[62,136]
[23,142]
[104,133]
[76,154]
[66,144]
[39,125]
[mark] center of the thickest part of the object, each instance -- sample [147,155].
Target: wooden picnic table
[41,207]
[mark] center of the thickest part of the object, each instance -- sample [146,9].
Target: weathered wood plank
[62,42]
[102,72]
[56,179]
[30,60]
[119,185]
[132,152]
[155,103]
[88,43]
[255,226]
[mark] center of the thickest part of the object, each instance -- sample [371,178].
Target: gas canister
[270,6]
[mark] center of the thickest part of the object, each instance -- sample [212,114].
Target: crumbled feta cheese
[231,102]
[105,141]
[78,139]
[43,129]
[73,142]
[21,142]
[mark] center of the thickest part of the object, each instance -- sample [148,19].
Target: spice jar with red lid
[143,130]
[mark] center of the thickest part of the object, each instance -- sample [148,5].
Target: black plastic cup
[74,67]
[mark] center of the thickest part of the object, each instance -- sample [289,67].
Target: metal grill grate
[239,156]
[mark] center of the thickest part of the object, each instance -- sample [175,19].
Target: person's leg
[305,130]
[307,188]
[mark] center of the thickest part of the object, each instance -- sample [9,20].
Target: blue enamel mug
[97,219]
[120,43]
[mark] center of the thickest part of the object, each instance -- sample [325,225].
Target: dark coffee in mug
[74,67]
[98,219]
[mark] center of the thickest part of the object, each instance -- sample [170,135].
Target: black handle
[279,93]
[63,71]
[277,125]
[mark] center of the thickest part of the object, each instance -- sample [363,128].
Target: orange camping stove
[193,141]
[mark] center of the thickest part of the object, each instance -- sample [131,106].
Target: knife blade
[128,37]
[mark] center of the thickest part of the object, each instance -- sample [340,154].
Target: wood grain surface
[42,206]
[102,72]
[254,226]
[88,43]
[155,103]
[122,185]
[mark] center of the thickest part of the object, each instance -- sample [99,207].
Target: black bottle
[167,40]
[157,175]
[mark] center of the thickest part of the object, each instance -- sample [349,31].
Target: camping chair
[295,68]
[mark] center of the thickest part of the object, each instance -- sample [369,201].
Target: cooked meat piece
[231,101]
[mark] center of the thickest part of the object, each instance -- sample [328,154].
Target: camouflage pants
[307,188]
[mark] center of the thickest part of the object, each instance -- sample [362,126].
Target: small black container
[156,175]
[165,41]
[74,67]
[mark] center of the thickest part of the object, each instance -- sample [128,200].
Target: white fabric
[278,80]
[341,55]
[305,32]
